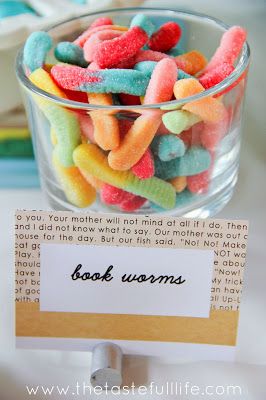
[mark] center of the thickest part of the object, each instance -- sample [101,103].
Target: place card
[154,285]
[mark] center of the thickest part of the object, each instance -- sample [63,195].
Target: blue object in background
[12,8]
[18,173]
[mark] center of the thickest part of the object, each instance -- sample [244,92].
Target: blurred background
[19,189]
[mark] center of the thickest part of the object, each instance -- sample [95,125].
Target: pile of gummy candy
[151,157]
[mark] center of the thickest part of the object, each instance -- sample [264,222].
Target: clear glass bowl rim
[238,71]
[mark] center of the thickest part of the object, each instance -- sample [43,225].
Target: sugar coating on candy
[92,180]
[144,168]
[178,121]
[70,53]
[35,50]
[168,147]
[145,146]
[208,109]
[147,67]
[150,55]
[229,49]
[179,183]
[135,142]
[80,41]
[160,88]
[101,21]
[182,199]
[216,75]
[194,61]
[199,183]
[106,130]
[143,22]
[64,122]
[132,204]
[112,195]
[43,80]
[91,44]
[166,37]
[194,161]
[77,190]
[102,81]
[111,52]
[91,159]
[126,201]
[187,87]
[106,127]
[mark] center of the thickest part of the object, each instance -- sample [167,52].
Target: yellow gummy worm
[76,188]
[63,121]
[89,158]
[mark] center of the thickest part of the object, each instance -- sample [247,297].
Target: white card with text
[126,280]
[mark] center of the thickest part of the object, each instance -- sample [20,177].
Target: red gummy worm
[132,204]
[112,52]
[199,183]
[144,168]
[216,75]
[126,201]
[166,37]
[72,77]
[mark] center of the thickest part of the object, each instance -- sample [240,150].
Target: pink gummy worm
[101,21]
[80,41]
[150,55]
[160,88]
[98,37]
[230,46]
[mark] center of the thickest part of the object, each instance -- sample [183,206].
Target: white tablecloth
[19,368]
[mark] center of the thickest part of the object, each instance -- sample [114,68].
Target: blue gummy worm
[143,22]
[117,81]
[147,68]
[70,53]
[35,50]
[195,160]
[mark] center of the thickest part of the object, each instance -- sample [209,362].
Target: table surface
[19,368]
